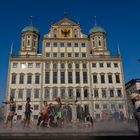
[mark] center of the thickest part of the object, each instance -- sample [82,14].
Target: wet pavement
[109,128]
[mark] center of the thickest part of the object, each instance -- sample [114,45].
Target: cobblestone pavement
[109,128]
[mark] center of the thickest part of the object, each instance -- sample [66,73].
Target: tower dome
[97,29]
[30,28]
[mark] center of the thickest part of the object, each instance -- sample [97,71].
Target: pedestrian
[59,115]
[135,98]
[89,121]
[121,116]
[28,112]
[12,110]
[44,114]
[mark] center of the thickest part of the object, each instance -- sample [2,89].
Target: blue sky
[120,18]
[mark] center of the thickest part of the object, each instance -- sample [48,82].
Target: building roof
[65,21]
[30,28]
[132,82]
[96,29]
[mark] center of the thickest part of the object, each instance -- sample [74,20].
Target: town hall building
[76,67]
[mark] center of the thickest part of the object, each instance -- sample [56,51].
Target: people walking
[135,98]
[28,112]
[44,114]
[12,110]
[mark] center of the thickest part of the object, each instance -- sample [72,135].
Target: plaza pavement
[109,128]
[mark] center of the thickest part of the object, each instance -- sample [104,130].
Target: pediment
[65,22]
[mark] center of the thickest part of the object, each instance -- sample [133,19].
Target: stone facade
[76,67]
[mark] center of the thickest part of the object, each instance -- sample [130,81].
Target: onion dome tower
[29,40]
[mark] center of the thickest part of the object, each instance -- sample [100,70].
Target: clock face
[65,32]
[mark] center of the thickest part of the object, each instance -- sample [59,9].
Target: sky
[120,19]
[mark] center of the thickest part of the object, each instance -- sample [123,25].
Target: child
[27,112]
[12,109]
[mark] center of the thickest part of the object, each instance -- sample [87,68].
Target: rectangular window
[84,66]
[69,44]
[28,93]
[47,77]
[36,107]
[110,78]
[117,78]
[19,107]
[94,65]
[62,66]
[103,93]
[14,65]
[83,45]
[75,44]
[85,93]
[96,93]
[47,66]
[54,54]
[116,65]
[13,80]
[47,54]
[69,55]
[62,77]
[102,79]
[37,78]
[55,44]
[62,93]
[69,65]
[85,79]
[37,65]
[76,54]
[119,93]
[12,93]
[54,66]
[83,54]
[62,44]
[111,93]
[77,77]
[108,65]
[120,106]
[29,78]
[20,94]
[95,79]
[78,95]
[77,66]
[21,78]
[101,65]
[54,93]
[47,93]
[62,54]
[55,77]
[48,44]
[36,93]
[30,65]
[70,93]
[69,77]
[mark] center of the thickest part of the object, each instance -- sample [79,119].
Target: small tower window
[28,43]
[99,42]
